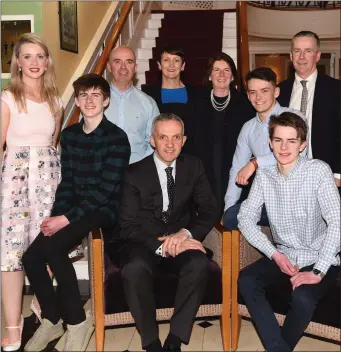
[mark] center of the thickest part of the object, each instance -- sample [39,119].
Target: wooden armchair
[326,319]
[107,296]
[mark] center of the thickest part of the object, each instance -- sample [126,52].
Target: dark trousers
[252,283]
[137,267]
[231,221]
[54,251]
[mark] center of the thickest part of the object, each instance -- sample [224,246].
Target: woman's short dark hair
[228,59]
[91,80]
[173,50]
[263,73]
[289,119]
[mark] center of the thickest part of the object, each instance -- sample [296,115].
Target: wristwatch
[318,273]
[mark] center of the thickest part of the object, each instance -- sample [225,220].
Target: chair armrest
[215,241]
[243,254]
[96,273]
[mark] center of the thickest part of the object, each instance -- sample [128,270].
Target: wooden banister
[242,42]
[112,40]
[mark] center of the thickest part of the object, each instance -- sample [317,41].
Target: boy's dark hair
[307,34]
[218,57]
[289,119]
[91,80]
[263,73]
[173,50]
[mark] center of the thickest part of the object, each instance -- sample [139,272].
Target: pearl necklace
[220,106]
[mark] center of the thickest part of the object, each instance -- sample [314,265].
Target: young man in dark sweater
[94,155]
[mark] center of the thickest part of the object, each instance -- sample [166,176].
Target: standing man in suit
[318,97]
[129,108]
[167,208]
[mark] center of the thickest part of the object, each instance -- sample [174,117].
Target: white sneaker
[46,333]
[78,336]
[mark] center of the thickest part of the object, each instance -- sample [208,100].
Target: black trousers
[252,282]
[54,251]
[137,267]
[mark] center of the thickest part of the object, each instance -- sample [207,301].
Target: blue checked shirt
[303,209]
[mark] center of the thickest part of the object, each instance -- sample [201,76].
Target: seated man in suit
[167,208]
[318,97]
[303,207]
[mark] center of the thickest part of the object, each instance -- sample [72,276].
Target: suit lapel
[155,188]
[285,93]
[180,181]
[319,92]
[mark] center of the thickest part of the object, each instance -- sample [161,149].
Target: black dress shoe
[155,346]
[171,348]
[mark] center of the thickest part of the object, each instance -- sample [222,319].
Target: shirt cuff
[159,251]
[189,234]
[338,176]
[322,265]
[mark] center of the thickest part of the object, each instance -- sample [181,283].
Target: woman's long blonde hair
[49,91]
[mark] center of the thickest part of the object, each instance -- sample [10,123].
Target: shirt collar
[301,160]
[118,93]
[160,166]
[311,79]
[274,111]
[99,130]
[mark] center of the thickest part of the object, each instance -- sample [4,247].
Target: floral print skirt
[29,180]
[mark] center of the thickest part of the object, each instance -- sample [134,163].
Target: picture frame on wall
[68,26]
[12,27]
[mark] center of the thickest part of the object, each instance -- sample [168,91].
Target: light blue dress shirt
[253,140]
[134,112]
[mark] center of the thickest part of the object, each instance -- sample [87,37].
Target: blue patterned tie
[170,191]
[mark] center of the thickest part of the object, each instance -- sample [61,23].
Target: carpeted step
[199,33]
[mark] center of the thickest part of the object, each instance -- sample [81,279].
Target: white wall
[283,24]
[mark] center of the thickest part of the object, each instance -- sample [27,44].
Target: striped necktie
[304,99]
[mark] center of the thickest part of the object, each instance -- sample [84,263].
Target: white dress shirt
[161,167]
[295,102]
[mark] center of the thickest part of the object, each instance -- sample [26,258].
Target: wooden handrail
[291,6]
[242,42]
[112,40]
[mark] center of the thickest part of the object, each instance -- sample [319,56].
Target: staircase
[199,33]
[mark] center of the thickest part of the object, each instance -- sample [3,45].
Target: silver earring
[19,68]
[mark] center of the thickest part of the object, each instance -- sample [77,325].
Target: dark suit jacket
[141,203]
[326,116]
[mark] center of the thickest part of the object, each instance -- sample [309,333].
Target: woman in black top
[220,112]
[172,95]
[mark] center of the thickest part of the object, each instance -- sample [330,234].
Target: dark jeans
[54,251]
[230,217]
[137,268]
[252,283]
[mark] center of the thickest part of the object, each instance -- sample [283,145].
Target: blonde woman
[31,113]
